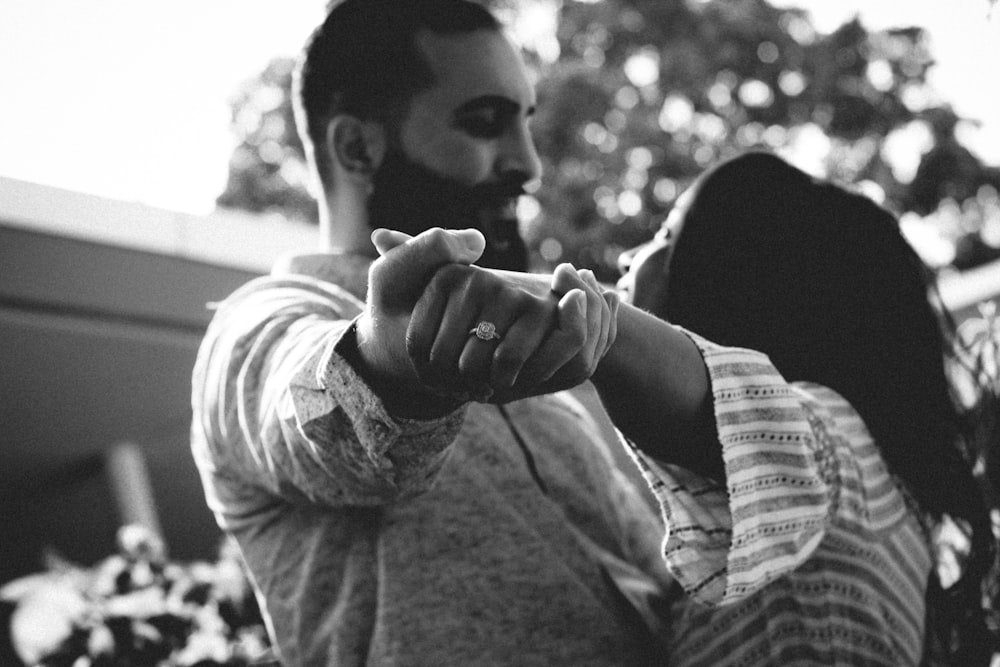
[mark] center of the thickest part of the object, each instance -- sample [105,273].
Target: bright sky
[129,100]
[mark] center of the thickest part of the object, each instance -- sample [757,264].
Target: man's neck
[343,226]
[346,270]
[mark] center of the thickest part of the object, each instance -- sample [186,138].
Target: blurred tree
[267,170]
[636,97]
[647,93]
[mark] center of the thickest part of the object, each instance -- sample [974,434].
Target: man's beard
[411,198]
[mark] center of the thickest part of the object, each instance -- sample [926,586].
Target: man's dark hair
[364,61]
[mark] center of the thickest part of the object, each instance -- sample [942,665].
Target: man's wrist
[402,396]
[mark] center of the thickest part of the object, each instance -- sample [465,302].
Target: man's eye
[482,125]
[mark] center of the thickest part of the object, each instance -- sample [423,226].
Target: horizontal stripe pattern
[808,554]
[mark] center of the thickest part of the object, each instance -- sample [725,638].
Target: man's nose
[518,155]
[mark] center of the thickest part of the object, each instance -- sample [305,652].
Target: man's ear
[357,145]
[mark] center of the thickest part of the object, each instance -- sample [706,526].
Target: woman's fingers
[562,344]
[387,239]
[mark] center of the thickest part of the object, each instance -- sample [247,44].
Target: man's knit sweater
[466,540]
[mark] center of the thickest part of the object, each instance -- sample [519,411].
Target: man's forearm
[655,386]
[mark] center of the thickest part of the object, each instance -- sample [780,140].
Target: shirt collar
[347,270]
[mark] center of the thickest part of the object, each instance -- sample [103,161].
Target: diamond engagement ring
[485,331]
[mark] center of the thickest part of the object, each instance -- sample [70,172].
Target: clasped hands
[426,302]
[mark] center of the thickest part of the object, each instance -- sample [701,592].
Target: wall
[102,307]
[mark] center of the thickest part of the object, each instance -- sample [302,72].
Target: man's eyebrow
[498,102]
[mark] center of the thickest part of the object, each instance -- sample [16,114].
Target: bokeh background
[186,107]
[637,97]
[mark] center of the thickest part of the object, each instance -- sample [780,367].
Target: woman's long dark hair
[821,280]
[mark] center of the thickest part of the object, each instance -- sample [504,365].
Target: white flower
[140,604]
[101,641]
[140,542]
[44,619]
[203,645]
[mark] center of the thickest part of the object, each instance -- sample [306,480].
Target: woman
[760,255]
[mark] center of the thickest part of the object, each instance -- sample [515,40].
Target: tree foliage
[645,94]
[267,170]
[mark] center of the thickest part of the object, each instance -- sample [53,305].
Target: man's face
[464,152]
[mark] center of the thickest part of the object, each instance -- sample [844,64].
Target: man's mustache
[497,191]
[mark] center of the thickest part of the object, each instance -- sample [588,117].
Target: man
[384,522]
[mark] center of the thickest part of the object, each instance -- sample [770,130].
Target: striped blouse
[811,554]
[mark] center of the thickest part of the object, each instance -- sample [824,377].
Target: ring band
[485,331]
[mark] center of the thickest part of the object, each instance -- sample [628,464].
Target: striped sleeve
[796,459]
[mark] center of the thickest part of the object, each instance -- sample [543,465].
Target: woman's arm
[655,386]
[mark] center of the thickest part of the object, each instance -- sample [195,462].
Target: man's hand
[395,282]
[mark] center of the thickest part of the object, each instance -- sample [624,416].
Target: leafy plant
[136,608]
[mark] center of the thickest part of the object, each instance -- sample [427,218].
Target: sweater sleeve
[797,457]
[278,410]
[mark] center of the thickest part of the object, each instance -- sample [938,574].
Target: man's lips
[499,209]
[498,222]
[508,209]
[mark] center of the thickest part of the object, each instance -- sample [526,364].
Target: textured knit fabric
[485,537]
[810,554]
